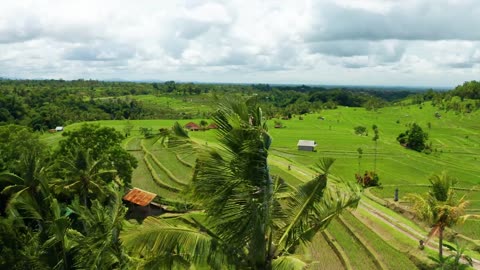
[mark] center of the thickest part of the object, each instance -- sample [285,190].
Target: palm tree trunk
[266,221]
[65,262]
[440,243]
[85,199]
[261,242]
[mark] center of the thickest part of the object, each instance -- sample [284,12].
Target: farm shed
[59,128]
[140,205]
[212,126]
[192,126]
[306,145]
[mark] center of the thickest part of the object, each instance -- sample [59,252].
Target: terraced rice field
[455,140]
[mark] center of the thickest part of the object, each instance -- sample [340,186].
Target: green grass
[390,257]
[357,254]
[168,159]
[277,171]
[399,241]
[322,255]
[454,137]
[143,179]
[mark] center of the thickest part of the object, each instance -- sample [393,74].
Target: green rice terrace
[380,233]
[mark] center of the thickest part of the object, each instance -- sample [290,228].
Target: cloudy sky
[364,42]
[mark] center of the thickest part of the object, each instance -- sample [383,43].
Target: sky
[364,42]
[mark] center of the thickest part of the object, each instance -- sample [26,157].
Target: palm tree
[440,207]
[97,243]
[251,219]
[31,182]
[31,200]
[83,175]
[375,139]
[175,136]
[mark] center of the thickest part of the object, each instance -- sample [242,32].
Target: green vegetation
[56,185]
[252,220]
[63,209]
[440,207]
[360,130]
[414,138]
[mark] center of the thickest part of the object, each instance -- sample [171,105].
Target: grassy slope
[395,165]
[455,137]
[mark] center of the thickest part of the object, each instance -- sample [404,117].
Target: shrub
[146,132]
[360,130]
[368,179]
[414,138]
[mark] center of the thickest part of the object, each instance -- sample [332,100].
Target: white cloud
[346,42]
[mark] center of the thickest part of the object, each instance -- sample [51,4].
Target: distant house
[59,128]
[140,205]
[192,126]
[306,145]
[212,126]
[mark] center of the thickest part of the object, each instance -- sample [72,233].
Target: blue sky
[364,42]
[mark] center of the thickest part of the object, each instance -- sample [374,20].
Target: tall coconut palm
[252,220]
[31,203]
[31,182]
[97,240]
[440,206]
[82,175]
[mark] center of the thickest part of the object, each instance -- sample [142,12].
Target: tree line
[44,104]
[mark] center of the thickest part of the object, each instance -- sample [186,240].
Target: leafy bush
[146,132]
[414,138]
[360,130]
[368,179]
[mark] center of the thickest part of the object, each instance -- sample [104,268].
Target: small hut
[306,145]
[140,205]
[212,126]
[192,126]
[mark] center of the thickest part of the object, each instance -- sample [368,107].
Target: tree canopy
[414,138]
[102,144]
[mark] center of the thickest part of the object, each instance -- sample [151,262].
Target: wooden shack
[140,205]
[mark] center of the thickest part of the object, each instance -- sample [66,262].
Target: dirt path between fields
[395,224]
[400,227]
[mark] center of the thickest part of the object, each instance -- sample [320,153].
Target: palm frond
[314,204]
[98,247]
[167,237]
[28,206]
[165,261]
[324,164]
[441,186]
[15,190]
[11,178]
[288,262]
[422,207]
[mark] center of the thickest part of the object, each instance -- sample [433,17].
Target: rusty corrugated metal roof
[139,196]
